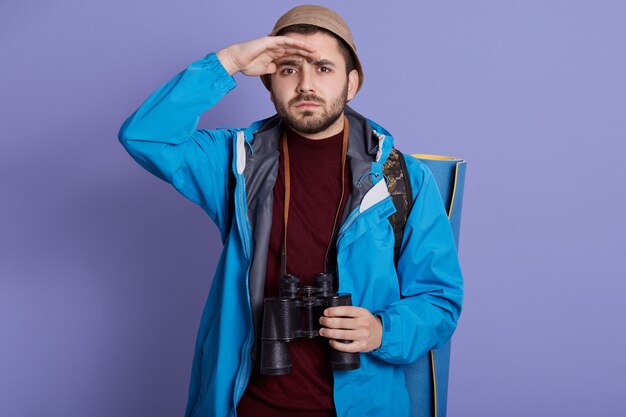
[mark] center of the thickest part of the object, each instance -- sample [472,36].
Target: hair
[305,29]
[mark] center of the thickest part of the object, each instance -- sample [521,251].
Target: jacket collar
[371,131]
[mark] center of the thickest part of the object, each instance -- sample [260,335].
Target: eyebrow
[321,62]
[297,62]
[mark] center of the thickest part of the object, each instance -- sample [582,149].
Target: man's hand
[256,57]
[351,323]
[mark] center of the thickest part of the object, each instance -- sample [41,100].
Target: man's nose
[306,84]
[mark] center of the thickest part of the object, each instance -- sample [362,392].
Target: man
[302,192]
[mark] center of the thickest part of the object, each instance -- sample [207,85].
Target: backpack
[426,379]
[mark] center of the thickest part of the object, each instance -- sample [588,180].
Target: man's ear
[353,83]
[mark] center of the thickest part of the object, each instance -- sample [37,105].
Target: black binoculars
[295,313]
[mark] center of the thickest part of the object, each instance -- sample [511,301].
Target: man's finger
[289,46]
[279,52]
[339,334]
[286,40]
[297,51]
[346,347]
[343,311]
[339,323]
[271,68]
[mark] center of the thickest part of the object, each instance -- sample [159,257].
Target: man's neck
[332,130]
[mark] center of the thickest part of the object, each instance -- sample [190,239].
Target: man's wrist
[380,322]
[227,62]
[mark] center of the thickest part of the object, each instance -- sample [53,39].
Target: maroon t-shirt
[315,167]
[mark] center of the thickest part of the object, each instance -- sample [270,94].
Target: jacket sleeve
[429,275]
[161,136]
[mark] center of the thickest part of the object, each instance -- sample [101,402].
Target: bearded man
[302,193]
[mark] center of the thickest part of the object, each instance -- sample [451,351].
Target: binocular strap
[344,152]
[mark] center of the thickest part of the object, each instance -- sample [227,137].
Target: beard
[307,121]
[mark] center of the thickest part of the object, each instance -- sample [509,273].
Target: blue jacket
[419,302]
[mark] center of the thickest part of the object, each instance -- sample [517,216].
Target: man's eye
[288,71]
[325,69]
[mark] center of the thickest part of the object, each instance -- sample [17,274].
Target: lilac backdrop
[104,269]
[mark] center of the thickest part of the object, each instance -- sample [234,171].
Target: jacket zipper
[347,225]
[244,371]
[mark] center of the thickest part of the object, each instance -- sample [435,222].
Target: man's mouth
[306,104]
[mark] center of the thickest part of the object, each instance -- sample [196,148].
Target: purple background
[104,269]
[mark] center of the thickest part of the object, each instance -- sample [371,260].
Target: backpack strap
[399,186]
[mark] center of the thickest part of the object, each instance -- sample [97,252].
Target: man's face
[310,96]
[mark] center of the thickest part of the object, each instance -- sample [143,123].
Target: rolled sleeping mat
[427,379]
